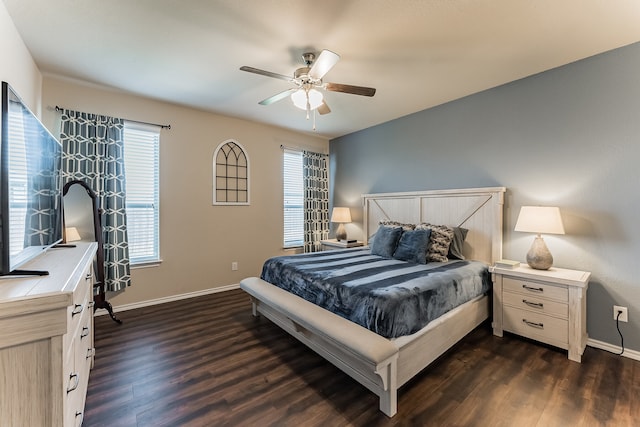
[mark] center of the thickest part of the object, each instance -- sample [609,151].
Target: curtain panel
[93,151]
[316,200]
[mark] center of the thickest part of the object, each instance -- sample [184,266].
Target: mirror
[82,212]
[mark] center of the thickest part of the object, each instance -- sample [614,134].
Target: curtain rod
[134,121]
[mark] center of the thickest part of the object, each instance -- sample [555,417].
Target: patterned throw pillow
[390,223]
[439,241]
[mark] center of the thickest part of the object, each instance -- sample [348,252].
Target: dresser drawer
[542,290]
[82,304]
[77,369]
[535,304]
[537,326]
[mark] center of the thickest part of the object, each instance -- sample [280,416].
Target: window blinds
[293,199]
[141,160]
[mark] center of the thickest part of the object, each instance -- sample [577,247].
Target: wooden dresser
[46,339]
[549,306]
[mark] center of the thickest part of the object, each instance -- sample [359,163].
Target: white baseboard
[132,306]
[631,354]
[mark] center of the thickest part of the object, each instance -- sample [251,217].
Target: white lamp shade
[72,235]
[540,219]
[341,215]
[299,98]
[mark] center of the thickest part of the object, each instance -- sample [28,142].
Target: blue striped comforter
[389,297]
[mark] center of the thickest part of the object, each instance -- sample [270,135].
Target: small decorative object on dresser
[539,220]
[549,306]
[341,216]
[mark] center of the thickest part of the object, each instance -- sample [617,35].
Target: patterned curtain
[316,200]
[92,148]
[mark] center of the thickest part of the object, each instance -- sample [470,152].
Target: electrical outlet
[624,317]
[234,266]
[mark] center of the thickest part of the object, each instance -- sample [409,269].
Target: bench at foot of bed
[364,355]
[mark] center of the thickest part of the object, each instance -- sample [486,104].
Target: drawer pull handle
[77,309]
[532,289]
[533,304]
[76,382]
[90,353]
[533,324]
[89,276]
[85,332]
[81,415]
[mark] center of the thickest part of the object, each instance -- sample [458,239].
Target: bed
[384,364]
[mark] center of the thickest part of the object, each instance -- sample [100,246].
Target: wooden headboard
[477,209]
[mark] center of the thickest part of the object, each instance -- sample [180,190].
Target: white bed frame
[380,364]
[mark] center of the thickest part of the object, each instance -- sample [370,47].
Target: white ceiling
[417,54]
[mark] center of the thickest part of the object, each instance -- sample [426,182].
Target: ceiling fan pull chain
[314,120]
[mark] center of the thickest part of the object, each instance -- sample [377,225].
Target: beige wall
[198,241]
[17,66]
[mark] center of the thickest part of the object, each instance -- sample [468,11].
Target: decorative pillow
[386,241]
[439,241]
[459,236]
[390,223]
[412,246]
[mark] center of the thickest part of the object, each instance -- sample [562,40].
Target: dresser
[46,339]
[549,306]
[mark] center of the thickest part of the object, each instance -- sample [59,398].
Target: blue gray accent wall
[568,137]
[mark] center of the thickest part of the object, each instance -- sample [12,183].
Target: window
[141,164]
[293,199]
[230,174]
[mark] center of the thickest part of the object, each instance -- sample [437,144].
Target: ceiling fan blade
[266,73]
[355,90]
[323,64]
[324,108]
[277,97]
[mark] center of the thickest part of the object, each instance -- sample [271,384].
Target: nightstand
[333,244]
[549,306]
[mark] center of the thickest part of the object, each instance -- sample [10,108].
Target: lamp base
[539,256]
[341,233]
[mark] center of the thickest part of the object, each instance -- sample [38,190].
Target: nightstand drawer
[540,327]
[535,304]
[543,290]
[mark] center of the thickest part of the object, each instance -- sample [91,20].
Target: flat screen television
[30,186]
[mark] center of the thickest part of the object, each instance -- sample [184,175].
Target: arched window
[230,174]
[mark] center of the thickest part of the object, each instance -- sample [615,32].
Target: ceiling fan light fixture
[301,96]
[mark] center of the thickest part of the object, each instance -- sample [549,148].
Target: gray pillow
[412,246]
[386,241]
[457,244]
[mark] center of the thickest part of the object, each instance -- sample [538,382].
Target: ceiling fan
[307,80]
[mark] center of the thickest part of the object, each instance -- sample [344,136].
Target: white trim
[631,354]
[141,304]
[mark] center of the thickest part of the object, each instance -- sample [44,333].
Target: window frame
[154,258]
[287,184]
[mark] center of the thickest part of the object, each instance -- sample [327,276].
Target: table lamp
[540,220]
[341,216]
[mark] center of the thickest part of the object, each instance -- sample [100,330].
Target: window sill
[147,264]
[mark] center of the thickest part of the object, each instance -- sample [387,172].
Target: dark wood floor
[207,362]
